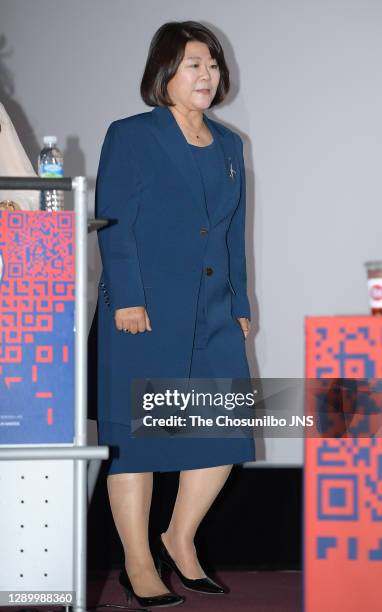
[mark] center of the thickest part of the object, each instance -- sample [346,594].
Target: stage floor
[249,591]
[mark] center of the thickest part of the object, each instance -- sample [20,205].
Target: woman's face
[196,80]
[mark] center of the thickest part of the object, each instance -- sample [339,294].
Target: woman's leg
[130,500]
[197,491]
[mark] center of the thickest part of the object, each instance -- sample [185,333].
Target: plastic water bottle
[51,165]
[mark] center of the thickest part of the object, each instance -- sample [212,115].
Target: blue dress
[129,455]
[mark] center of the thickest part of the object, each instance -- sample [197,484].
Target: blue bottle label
[51,170]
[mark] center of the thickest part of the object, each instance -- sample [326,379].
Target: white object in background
[15,162]
[375,292]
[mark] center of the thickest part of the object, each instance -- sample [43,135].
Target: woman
[172,294]
[14,162]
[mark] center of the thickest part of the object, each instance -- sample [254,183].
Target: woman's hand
[245,325]
[9,205]
[134,319]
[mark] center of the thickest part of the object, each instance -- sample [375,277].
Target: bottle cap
[50,140]
[373,265]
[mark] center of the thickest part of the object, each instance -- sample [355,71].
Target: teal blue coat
[156,251]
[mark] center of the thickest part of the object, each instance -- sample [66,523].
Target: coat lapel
[230,170]
[171,138]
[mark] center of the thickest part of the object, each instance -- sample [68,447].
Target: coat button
[203,231]
[209,271]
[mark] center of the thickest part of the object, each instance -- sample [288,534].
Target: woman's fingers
[133,327]
[148,324]
[141,324]
[245,325]
[133,320]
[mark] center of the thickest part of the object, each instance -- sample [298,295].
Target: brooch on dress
[231,172]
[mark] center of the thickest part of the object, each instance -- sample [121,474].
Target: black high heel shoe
[158,601]
[201,585]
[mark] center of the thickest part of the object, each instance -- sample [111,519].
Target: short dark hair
[167,51]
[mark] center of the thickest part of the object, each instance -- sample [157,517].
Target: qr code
[349,496]
[37,290]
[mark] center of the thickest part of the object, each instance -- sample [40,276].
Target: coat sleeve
[117,199]
[236,246]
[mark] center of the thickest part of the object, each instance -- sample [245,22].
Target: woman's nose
[205,71]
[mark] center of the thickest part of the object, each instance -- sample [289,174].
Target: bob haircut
[166,53]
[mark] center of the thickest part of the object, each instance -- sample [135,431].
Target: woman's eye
[213,66]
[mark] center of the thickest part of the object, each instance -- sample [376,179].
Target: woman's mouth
[203,91]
